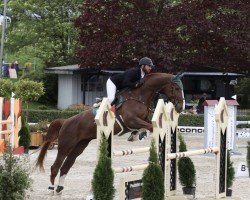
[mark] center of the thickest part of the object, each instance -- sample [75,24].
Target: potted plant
[37,132]
[248,157]
[186,169]
[230,174]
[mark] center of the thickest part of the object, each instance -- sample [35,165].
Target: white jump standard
[165,120]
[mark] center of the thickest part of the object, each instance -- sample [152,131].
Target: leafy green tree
[14,177]
[230,171]
[28,90]
[6,87]
[49,83]
[243,89]
[186,169]
[103,178]
[248,157]
[153,179]
[24,135]
[117,33]
[45,27]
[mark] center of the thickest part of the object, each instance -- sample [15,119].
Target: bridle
[173,98]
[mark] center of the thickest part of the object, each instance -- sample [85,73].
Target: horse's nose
[179,108]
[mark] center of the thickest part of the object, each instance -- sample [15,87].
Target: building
[77,85]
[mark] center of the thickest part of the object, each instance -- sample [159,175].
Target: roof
[232,103]
[210,74]
[210,102]
[75,69]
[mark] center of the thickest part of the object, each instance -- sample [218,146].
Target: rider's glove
[139,83]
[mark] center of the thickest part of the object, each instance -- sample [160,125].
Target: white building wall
[69,90]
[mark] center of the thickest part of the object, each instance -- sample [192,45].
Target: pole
[3,36]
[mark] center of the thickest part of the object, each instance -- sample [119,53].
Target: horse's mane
[152,75]
[173,78]
[157,74]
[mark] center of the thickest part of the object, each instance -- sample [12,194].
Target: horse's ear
[177,79]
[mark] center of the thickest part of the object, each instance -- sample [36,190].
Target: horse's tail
[52,135]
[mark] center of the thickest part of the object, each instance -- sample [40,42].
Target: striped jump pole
[131,151]
[10,121]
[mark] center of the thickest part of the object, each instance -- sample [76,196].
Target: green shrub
[48,115]
[6,87]
[103,178]
[248,155]
[153,179]
[42,107]
[186,169]
[230,171]
[191,120]
[24,135]
[14,177]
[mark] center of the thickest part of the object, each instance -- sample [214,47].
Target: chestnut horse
[75,133]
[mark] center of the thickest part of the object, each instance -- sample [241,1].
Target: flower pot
[189,190]
[229,192]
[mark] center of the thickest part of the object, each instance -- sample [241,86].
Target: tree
[230,171]
[153,178]
[28,90]
[103,178]
[243,88]
[116,34]
[45,27]
[24,135]
[186,169]
[14,177]
[6,88]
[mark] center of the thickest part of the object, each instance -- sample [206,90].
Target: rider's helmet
[146,61]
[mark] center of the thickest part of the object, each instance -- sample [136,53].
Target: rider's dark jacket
[127,79]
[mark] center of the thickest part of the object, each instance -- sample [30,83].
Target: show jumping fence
[165,120]
[10,122]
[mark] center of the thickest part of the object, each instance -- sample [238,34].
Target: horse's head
[174,91]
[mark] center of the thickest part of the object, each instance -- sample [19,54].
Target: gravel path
[78,181]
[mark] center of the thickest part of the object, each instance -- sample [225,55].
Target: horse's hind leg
[70,160]
[55,168]
[61,155]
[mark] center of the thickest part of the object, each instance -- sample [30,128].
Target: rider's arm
[131,77]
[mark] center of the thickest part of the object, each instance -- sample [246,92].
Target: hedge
[50,115]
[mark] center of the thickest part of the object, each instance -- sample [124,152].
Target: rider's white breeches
[111,90]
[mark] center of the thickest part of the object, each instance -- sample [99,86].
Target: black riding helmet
[146,61]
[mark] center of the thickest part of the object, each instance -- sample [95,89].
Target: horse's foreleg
[139,124]
[70,160]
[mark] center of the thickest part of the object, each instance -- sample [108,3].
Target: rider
[131,78]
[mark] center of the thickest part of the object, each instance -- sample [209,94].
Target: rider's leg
[111,90]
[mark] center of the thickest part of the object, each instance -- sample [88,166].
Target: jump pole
[12,112]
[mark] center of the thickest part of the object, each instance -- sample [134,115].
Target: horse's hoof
[133,137]
[143,135]
[51,190]
[59,190]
